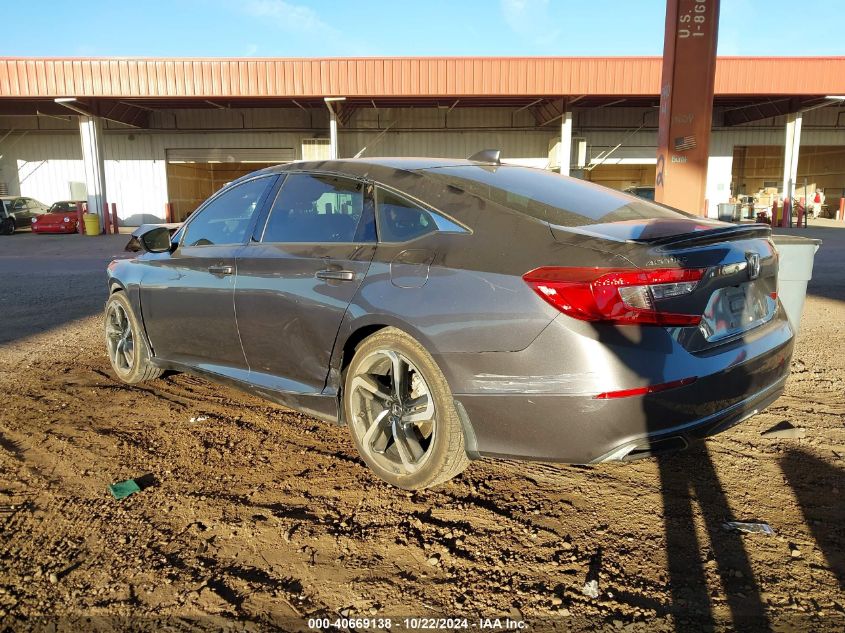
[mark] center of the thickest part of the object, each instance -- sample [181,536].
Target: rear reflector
[623,296]
[641,391]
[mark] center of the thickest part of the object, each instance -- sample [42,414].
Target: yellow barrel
[92,223]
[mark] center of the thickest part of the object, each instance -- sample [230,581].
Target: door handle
[221,270]
[335,275]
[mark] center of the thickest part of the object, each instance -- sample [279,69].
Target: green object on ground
[123,489]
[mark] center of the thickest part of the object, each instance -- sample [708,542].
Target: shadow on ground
[825,515]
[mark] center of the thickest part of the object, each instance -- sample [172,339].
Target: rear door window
[400,220]
[226,219]
[317,208]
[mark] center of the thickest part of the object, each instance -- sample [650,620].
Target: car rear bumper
[547,415]
[622,431]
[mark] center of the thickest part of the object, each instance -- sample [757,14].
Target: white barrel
[794,271]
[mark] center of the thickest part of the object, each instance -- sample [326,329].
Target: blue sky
[338,28]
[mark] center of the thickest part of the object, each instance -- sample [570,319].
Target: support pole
[332,103]
[792,142]
[332,134]
[686,103]
[106,227]
[80,223]
[91,135]
[565,147]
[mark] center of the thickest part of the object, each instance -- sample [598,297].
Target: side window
[316,208]
[226,219]
[400,220]
[19,204]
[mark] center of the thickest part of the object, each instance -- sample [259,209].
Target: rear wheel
[401,413]
[125,342]
[7,226]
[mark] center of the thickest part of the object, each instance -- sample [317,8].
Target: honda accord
[446,310]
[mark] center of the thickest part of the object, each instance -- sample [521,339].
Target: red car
[60,218]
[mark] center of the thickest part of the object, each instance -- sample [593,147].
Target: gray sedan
[447,310]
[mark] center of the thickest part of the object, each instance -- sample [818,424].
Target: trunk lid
[738,291]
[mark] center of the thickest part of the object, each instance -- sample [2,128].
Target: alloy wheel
[119,338]
[393,414]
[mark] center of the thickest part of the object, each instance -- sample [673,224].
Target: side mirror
[156,240]
[153,238]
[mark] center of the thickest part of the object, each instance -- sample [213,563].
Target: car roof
[388,170]
[354,164]
[383,169]
[374,167]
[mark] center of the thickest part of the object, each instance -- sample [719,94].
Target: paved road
[48,280]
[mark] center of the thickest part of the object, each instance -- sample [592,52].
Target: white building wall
[43,155]
[42,166]
[447,143]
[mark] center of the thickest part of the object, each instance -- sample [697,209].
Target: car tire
[126,344]
[409,433]
[7,227]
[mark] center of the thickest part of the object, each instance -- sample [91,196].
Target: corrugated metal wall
[447,143]
[43,165]
[405,76]
[42,155]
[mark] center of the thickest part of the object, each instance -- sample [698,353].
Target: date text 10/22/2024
[419,624]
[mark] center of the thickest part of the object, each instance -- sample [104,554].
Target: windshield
[62,207]
[548,196]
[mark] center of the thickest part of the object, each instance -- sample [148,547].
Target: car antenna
[487,156]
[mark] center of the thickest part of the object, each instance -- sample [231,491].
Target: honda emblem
[753,260]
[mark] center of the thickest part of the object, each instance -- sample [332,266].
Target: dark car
[18,213]
[447,310]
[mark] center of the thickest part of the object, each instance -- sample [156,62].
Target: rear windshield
[548,196]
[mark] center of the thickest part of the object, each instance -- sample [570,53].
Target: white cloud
[300,20]
[291,17]
[530,20]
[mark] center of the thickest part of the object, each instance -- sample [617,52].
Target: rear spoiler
[700,238]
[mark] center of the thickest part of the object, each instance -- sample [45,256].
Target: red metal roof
[400,77]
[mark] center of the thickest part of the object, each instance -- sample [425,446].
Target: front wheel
[401,413]
[125,343]
[7,226]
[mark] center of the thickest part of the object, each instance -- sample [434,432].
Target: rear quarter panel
[473,298]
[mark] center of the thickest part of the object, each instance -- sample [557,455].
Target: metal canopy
[400,78]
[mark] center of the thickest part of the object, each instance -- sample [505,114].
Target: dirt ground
[259,518]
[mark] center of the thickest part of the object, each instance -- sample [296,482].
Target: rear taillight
[618,295]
